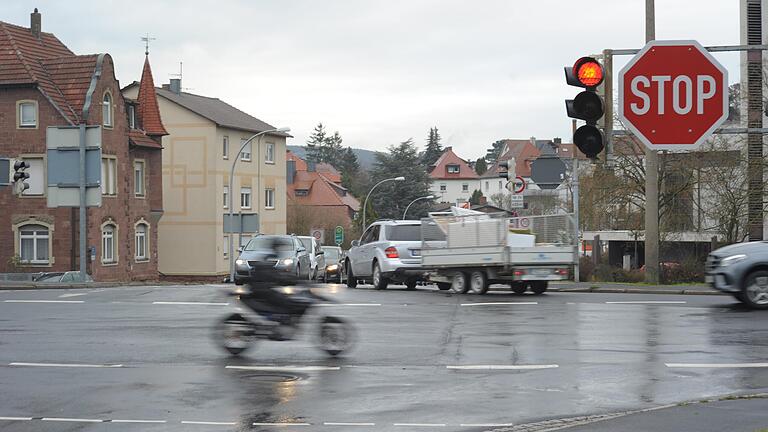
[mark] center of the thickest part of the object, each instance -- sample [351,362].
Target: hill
[366,158]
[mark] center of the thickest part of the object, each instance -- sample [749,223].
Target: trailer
[469,252]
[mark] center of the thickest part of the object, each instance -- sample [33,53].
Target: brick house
[42,84]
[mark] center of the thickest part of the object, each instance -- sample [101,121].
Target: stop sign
[673,95]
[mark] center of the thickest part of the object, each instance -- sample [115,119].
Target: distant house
[316,198]
[453,179]
[524,152]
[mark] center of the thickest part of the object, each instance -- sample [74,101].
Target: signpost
[318,234]
[673,95]
[339,235]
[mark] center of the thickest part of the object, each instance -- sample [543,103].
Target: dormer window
[302,192]
[453,169]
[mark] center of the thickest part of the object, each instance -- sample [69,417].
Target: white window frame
[109,254]
[269,199]
[465,187]
[141,241]
[225,195]
[36,177]
[453,169]
[269,153]
[107,102]
[140,186]
[245,198]
[131,116]
[225,147]
[246,154]
[20,124]
[109,176]
[36,236]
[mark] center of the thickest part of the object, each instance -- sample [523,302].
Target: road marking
[15,418]
[420,424]
[72,295]
[486,424]
[189,303]
[208,423]
[348,424]
[138,421]
[499,303]
[716,365]
[285,368]
[349,304]
[44,301]
[646,302]
[282,424]
[65,365]
[79,420]
[502,367]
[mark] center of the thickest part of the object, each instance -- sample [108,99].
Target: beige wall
[191,239]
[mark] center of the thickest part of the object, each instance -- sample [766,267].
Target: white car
[316,258]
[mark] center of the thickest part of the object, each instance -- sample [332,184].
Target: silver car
[316,258]
[284,255]
[741,270]
[388,251]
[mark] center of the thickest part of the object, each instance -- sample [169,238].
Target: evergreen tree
[433,150]
[481,167]
[495,151]
[315,144]
[391,198]
[476,197]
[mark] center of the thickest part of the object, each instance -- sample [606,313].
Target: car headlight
[332,267]
[733,259]
[240,262]
[286,261]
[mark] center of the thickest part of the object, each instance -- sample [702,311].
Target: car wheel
[478,282]
[539,287]
[460,284]
[519,288]
[298,271]
[755,291]
[351,281]
[379,281]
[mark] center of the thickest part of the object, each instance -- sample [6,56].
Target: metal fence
[549,229]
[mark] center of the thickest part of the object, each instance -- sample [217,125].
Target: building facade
[205,135]
[453,179]
[43,84]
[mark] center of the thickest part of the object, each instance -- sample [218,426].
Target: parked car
[388,251]
[315,256]
[333,263]
[742,271]
[285,253]
[62,277]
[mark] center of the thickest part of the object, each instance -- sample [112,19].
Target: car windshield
[331,254]
[306,242]
[404,232]
[282,244]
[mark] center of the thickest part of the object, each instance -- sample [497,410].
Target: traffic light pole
[608,99]
[651,179]
[575,181]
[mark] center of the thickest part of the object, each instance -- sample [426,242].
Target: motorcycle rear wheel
[231,333]
[336,336]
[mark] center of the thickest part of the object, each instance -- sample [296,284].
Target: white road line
[282,424]
[646,302]
[208,423]
[348,424]
[189,303]
[15,418]
[79,420]
[72,295]
[65,365]
[499,303]
[420,424]
[349,304]
[285,368]
[502,367]
[716,365]
[486,424]
[44,301]
[138,421]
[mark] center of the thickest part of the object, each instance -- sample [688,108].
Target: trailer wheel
[478,282]
[460,284]
[539,287]
[519,287]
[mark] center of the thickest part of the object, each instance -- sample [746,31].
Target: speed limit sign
[517,185]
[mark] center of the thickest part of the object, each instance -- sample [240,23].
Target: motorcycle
[271,316]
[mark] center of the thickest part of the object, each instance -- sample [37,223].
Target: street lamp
[428,197]
[365,205]
[231,192]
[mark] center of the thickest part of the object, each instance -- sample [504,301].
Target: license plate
[541,272]
[415,252]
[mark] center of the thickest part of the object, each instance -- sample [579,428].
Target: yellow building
[205,135]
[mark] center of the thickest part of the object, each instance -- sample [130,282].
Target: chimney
[175,85]
[558,140]
[35,24]
[291,171]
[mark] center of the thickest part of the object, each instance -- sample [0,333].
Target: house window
[269,156]
[269,198]
[108,236]
[34,241]
[106,110]
[245,155]
[108,176]
[245,198]
[225,147]
[453,169]
[465,187]
[141,242]
[27,114]
[132,116]
[443,187]
[302,192]
[486,186]
[36,179]
[225,196]
[138,178]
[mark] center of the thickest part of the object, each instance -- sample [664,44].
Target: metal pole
[651,180]
[575,180]
[755,163]
[411,203]
[608,97]
[83,226]
[365,205]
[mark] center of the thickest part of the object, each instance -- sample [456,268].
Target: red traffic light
[588,71]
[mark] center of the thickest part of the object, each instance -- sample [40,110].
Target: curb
[34,286]
[641,291]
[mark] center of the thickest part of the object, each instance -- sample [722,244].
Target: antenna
[146,40]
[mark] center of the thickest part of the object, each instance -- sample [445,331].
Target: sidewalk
[611,287]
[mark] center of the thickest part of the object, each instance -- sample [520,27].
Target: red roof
[139,138]
[524,153]
[440,167]
[148,113]
[323,185]
[300,164]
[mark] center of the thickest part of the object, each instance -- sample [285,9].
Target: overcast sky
[381,72]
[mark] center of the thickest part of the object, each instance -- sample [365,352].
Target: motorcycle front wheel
[336,335]
[233,334]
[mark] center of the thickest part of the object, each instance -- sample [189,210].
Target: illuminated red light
[519,272]
[391,252]
[588,71]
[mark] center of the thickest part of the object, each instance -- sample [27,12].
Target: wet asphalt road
[425,360]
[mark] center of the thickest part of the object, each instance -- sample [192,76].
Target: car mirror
[240,249]
[355,243]
[301,249]
[321,252]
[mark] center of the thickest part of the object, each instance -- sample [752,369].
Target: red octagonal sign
[673,95]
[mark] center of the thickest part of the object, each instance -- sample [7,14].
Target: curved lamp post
[231,192]
[365,205]
[428,197]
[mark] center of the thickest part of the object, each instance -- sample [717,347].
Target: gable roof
[148,113]
[440,167]
[524,153]
[322,191]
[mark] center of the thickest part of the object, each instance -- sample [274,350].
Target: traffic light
[587,105]
[20,176]
[507,169]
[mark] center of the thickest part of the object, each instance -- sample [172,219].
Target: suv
[387,251]
[317,260]
[741,270]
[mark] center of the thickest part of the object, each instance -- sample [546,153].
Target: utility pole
[755,186]
[651,179]
[608,99]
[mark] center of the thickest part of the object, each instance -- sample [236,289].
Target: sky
[380,72]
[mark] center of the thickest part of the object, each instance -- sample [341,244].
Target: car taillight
[562,272]
[519,272]
[391,252]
